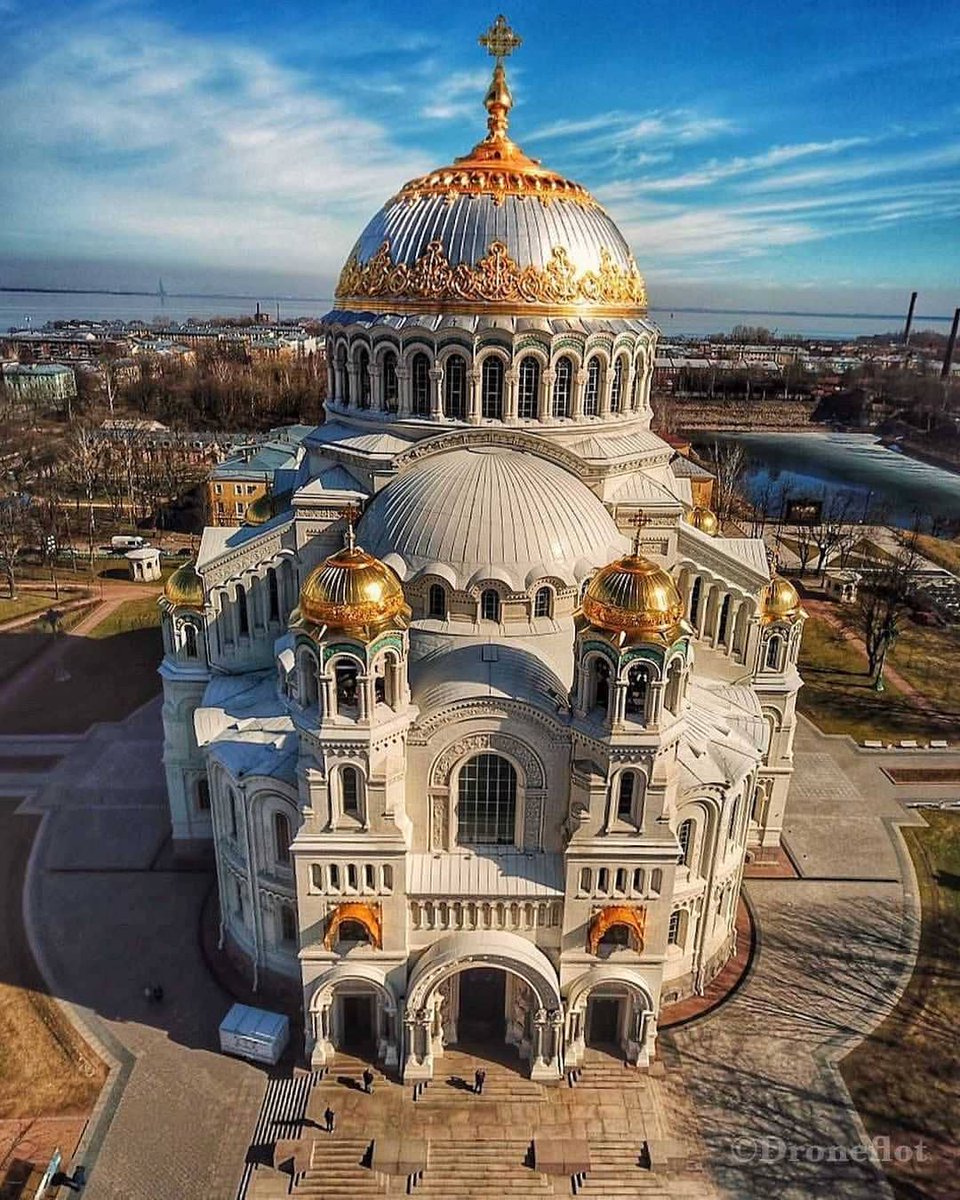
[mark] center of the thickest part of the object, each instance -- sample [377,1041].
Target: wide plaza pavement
[107,914]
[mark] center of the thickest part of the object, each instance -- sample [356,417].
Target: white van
[127,541]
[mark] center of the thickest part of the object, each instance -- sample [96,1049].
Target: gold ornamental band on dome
[557,288]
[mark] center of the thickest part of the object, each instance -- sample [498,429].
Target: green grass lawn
[101,677]
[838,695]
[903,1078]
[929,660]
[940,550]
[26,603]
[140,613]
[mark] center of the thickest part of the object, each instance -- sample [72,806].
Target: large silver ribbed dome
[490,513]
[494,231]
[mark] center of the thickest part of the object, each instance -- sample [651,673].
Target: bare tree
[17,528]
[883,603]
[84,464]
[728,460]
[802,533]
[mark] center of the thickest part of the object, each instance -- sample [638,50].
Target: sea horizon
[32,308]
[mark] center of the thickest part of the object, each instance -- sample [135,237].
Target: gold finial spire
[351,513]
[499,41]
[639,521]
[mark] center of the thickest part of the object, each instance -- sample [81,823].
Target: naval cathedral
[481,713]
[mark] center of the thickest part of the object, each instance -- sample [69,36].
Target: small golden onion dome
[352,590]
[260,511]
[781,600]
[633,595]
[704,519]
[184,588]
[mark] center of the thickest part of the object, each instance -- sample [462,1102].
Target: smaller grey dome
[491,513]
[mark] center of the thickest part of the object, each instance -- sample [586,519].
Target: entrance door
[603,1021]
[356,1022]
[482,1005]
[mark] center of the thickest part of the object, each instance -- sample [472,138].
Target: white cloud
[138,137]
[715,171]
[458,95]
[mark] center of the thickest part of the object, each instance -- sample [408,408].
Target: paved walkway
[108,917]
[835,946]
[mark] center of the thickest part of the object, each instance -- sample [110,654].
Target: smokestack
[951,345]
[906,329]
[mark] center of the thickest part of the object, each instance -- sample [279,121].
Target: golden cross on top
[351,514]
[500,40]
[639,519]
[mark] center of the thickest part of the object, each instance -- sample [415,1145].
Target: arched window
[562,387]
[363,380]
[585,879]
[232,812]
[353,931]
[455,388]
[773,653]
[203,795]
[487,802]
[528,391]
[288,924]
[350,791]
[675,931]
[625,793]
[243,615]
[674,682]
[389,382]
[343,375]
[616,935]
[190,640]
[600,684]
[281,838]
[273,594]
[491,387]
[387,877]
[685,838]
[723,627]
[347,689]
[490,604]
[635,388]
[437,601]
[734,815]
[420,382]
[543,602]
[638,683]
[616,386]
[695,592]
[591,394]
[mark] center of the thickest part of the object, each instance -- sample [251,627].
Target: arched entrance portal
[353,1008]
[476,988]
[609,1008]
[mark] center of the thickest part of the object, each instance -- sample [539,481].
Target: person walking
[329,1117]
[368,1081]
[479,1078]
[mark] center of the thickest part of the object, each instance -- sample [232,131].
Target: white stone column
[473,410]
[436,393]
[511,379]
[579,384]
[403,390]
[545,402]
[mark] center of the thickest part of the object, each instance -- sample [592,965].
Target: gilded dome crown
[781,601]
[704,519]
[260,511]
[353,590]
[635,596]
[495,231]
[184,588]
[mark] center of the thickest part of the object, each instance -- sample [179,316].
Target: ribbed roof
[491,513]
[467,226]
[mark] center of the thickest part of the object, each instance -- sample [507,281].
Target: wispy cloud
[716,170]
[137,135]
[456,96]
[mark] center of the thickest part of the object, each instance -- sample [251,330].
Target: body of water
[811,465]
[34,309]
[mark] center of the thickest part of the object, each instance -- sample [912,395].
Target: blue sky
[801,155]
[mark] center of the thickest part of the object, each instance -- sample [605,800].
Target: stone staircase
[453,1082]
[616,1173]
[481,1170]
[605,1073]
[337,1171]
[346,1070]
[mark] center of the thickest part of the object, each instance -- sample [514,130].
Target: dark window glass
[438,601]
[562,387]
[421,385]
[528,390]
[350,790]
[591,394]
[487,801]
[490,605]
[455,388]
[363,378]
[492,389]
[273,591]
[243,615]
[625,796]
[281,837]
[391,385]
[543,603]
